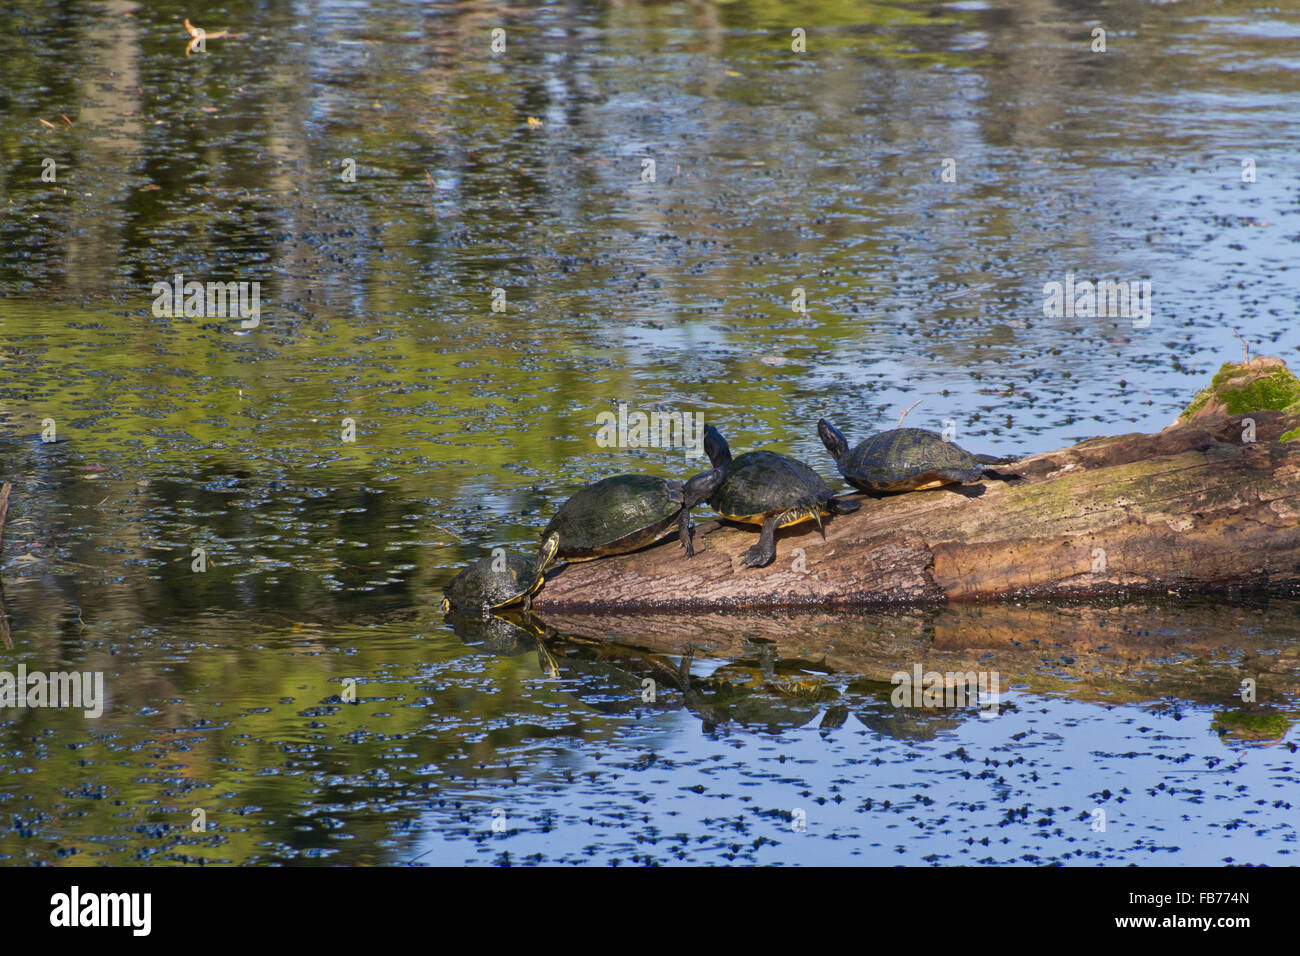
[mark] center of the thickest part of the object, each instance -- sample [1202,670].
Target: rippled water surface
[767,739]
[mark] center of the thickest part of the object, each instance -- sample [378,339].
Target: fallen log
[1195,507]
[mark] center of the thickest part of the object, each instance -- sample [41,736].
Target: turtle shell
[616,515]
[906,459]
[762,483]
[482,584]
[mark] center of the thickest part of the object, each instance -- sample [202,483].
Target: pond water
[379,170]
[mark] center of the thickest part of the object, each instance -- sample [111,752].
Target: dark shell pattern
[764,482]
[480,584]
[908,458]
[618,511]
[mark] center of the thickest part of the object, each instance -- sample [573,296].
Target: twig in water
[199,35]
[417,856]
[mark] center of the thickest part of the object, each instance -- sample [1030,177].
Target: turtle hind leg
[684,532]
[962,476]
[763,553]
[811,510]
[842,506]
[993,475]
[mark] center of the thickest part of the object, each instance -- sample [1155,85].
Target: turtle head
[547,552]
[701,488]
[446,606]
[832,438]
[716,447]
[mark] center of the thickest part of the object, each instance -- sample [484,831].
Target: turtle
[626,512]
[768,489]
[903,459]
[500,580]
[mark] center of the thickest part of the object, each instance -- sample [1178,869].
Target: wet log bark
[1191,508]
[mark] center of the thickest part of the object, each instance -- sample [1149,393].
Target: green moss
[1242,389]
[1292,435]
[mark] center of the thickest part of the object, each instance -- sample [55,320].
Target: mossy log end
[1192,507]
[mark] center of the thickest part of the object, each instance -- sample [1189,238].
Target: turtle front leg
[684,532]
[764,553]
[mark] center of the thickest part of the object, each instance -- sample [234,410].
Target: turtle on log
[904,459]
[627,512]
[770,490]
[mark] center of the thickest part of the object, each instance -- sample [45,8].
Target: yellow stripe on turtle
[760,518]
[938,483]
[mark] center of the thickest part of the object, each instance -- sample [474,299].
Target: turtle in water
[904,459]
[771,490]
[500,580]
[627,512]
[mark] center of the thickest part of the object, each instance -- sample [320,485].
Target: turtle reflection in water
[766,690]
[498,636]
[901,723]
[501,637]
